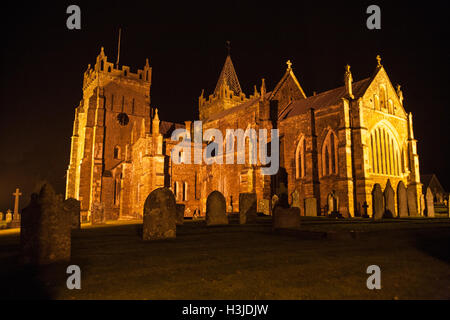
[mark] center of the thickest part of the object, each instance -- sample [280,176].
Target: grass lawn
[244,262]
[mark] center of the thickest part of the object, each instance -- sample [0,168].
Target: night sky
[43,64]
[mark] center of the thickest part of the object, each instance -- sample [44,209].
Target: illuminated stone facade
[334,146]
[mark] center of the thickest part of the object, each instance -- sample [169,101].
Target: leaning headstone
[377,202]
[389,201]
[98,213]
[45,233]
[412,201]
[180,213]
[215,209]
[311,207]
[8,216]
[72,207]
[247,208]
[160,214]
[286,218]
[402,200]
[429,203]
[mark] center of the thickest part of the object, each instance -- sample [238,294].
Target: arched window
[300,164]
[385,154]
[117,154]
[329,155]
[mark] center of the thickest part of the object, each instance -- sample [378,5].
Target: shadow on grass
[21,282]
[435,244]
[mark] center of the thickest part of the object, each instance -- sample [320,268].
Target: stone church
[334,145]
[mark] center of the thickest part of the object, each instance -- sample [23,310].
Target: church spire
[228,76]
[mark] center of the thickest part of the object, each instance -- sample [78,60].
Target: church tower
[115,101]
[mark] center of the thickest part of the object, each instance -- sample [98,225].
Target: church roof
[228,76]
[166,128]
[322,100]
[430,180]
[237,108]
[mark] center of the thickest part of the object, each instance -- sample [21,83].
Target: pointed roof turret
[228,76]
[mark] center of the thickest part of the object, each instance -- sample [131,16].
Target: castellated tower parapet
[107,71]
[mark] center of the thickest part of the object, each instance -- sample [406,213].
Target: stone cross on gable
[17,194]
[289,64]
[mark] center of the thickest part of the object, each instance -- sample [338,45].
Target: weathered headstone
[429,203]
[72,207]
[264,206]
[8,217]
[412,201]
[389,201]
[215,209]
[180,213]
[423,209]
[45,233]
[286,218]
[247,208]
[274,202]
[332,203]
[98,213]
[160,214]
[311,207]
[377,202]
[402,200]
[295,199]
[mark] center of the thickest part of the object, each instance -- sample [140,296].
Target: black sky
[43,62]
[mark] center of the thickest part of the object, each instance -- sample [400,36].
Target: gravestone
[264,206]
[332,203]
[423,209]
[72,207]
[180,213]
[160,215]
[295,199]
[8,216]
[15,223]
[98,213]
[311,207]
[429,203]
[215,209]
[402,200]
[274,202]
[286,218]
[45,233]
[377,202]
[247,208]
[412,201]
[365,206]
[389,201]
